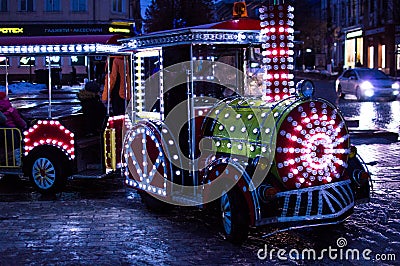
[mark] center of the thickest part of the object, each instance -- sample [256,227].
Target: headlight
[396,86]
[366,85]
[369,92]
[305,88]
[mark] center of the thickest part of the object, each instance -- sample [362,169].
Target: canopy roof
[235,31]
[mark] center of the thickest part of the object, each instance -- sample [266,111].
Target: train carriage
[216,118]
[56,145]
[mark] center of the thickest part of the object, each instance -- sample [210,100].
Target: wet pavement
[99,222]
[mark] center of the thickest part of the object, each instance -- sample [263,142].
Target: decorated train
[217,121]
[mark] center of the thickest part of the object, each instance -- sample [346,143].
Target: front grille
[314,203]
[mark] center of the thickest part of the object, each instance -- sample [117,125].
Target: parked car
[366,83]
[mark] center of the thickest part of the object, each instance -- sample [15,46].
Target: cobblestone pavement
[100,223]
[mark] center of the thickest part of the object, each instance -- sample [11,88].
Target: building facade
[64,18]
[363,33]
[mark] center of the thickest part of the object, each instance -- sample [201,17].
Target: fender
[232,172]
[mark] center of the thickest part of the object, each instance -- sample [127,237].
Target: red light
[278,61]
[56,135]
[316,154]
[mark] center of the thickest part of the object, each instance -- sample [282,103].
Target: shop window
[52,5]
[381,56]
[79,5]
[359,50]
[27,61]
[349,53]
[77,60]
[3,5]
[4,61]
[26,5]
[118,6]
[371,57]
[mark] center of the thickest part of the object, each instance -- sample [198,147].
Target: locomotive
[217,120]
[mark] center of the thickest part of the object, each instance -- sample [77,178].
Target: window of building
[79,5]
[342,16]
[371,6]
[52,5]
[118,6]
[77,60]
[361,7]
[4,61]
[398,57]
[3,5]
[26,5]
[54,60]
[371,57]
[27,61]
[382,56]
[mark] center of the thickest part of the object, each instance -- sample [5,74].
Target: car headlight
[369,92]
[396,86]
[366,85]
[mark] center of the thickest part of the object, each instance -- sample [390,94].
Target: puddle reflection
[371,115]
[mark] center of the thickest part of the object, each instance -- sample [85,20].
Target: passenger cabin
[56,145]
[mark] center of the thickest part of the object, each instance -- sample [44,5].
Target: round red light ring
[312,145]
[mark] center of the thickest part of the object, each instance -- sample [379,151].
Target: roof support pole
[108,85]
[7,76]
[49,68]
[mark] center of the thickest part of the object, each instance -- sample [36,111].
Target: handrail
[10,150]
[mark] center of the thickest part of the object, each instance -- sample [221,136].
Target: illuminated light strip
[57,135]
[146,175]
[277,36]
[195,36]
[60,49]
[139,83]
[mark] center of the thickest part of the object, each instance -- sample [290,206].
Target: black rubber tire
[237,231]
[359,96]
[339,92]
[154,204]
[46,172]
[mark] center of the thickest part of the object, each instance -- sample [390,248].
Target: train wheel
[235,216]
[46,174]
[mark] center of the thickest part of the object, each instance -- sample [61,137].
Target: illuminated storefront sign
[118,30]
[354,34]
[12,30]
[27,61]
[64,29]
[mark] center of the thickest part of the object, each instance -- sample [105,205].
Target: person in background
[93,109]
[14,119]
[117,92]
